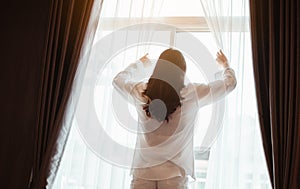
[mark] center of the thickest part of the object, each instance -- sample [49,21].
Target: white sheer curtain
[73,99]
[80,167]
[237,158]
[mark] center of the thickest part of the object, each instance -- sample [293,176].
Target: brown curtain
[22,36]
[275,31]
[68,21]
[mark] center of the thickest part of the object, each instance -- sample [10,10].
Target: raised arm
[125,81]
[216,90]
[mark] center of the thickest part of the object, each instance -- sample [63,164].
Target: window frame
[187,24]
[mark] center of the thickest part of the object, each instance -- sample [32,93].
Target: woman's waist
[163,171]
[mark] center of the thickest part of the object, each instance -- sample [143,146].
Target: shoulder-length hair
[165,84]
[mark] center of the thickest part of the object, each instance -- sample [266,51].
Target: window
[80,167]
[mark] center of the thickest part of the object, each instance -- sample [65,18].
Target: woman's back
[166,115]
[166,143]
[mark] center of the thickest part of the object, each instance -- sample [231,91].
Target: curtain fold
[275,31]
[236,159]
[81,165]
[23,30]
[68,21]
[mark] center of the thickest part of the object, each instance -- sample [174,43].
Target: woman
[167,110]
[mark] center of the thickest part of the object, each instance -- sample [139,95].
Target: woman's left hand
[145,60]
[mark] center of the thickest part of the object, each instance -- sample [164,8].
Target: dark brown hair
[165,84]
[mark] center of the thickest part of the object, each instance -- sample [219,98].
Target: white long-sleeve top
[165,149]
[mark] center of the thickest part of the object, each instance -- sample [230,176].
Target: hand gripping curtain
[236,159]
[81,164]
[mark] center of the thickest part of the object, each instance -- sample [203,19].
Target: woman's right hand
[222,59]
